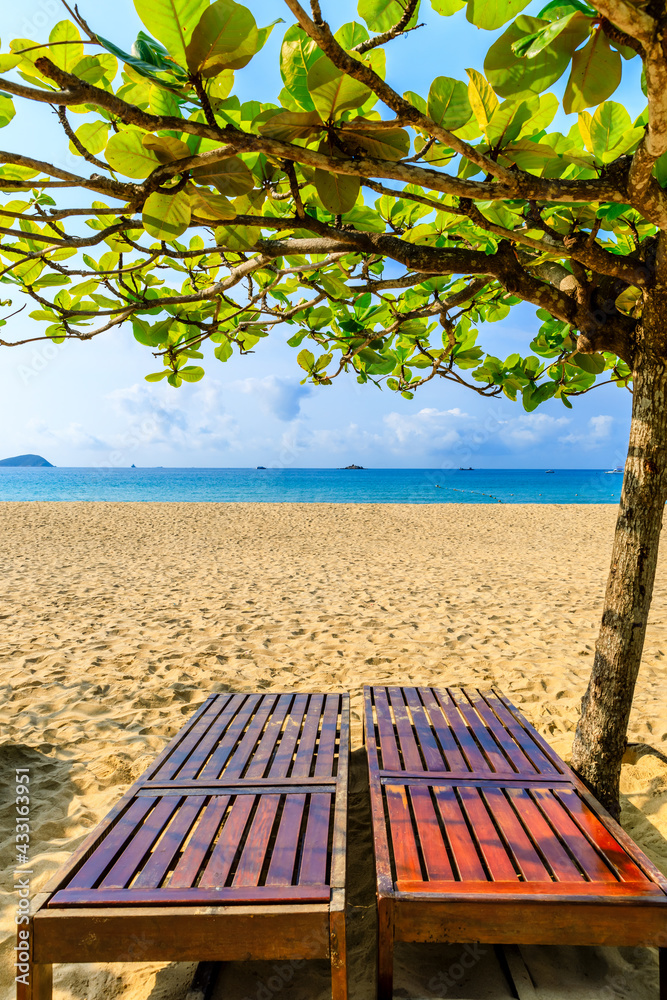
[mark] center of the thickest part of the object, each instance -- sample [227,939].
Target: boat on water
[548,470]
[618,471]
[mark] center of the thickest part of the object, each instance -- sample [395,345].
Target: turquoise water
[313,485]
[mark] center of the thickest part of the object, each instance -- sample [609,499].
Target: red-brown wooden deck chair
[483,834]
[231,846]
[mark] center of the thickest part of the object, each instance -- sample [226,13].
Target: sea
[281,485]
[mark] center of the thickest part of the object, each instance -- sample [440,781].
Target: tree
[220,220]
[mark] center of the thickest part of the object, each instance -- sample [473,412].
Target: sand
[118,619]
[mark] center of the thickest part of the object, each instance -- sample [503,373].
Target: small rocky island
[27,461]
[344,467]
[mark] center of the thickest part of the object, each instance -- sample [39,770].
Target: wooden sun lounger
[231,846]
[483,834]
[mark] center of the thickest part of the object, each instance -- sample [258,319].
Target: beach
[118,619]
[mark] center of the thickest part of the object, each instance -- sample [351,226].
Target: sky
[87,404]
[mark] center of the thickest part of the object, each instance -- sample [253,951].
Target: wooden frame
[248,802]
[483,834]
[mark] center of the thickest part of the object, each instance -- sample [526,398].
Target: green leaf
[447,7]
[297,55]
[607,126]
[157,376]
[191,373]
[596,73]
[333,92]
[511,76]
[306,359]
[172,22]
[224,351]
[380,15]
[338,192]
[290,125]
[92,69]
[594,364]
[92,136]
[7,110]
[166,148]
[66,55]
[482,99]
[492,14]
[206,205]
[225,38]
[448,103]
[127,154]
[387,144]
[166,216]
[230,176]
[8,61]
[238,238]
[574,27]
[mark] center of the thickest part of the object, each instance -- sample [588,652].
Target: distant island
[344,467]
[35,461]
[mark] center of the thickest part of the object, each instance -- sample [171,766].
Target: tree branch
[399,28]
[321,33]
[630,19]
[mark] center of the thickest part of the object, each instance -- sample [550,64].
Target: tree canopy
[384,228]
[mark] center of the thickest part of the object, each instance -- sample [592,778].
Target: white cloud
[277,396]
[530,429]
[429,430]
[597,432]
[154,416]
[73,435]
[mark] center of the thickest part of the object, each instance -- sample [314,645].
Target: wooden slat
[529,862]
[434,851]
[391,758]
[314,857]
[254,851]
[462,846]
[587,857]
[569,891]
[306,748]
[285,752]
[237,762]
[283,857]
[468,778]
[544,837]
[473,755]
[530,741]
[191,860]
[412,760]
[427,742]
[192,897]
[627,870]
[518,759]
[267,745]
[453,758]
[218,866]
[406,855]
[164,853]
[493,850]
[213,721]
[223,747]
[104,855]
[326,749]
[497,760]
[136,849]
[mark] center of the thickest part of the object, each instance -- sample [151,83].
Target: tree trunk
[600,740]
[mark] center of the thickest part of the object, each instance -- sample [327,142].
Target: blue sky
[88,404]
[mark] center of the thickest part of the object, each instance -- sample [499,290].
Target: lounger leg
[662,974]
[385,948]
[39,985]
[338,946]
